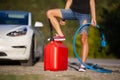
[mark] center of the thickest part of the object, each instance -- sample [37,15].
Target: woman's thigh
[67,14]
[54,12]
[83,19]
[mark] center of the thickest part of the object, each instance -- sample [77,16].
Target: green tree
[111,23]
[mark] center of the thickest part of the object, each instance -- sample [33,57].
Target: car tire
[42,54]
[31,60]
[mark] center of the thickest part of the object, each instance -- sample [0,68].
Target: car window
[16,18]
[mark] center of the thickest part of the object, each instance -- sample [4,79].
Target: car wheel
[31,60]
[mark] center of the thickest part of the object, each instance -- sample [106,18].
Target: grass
[41,77]
[21,77]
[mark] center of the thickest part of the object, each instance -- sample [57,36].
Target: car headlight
[18,32]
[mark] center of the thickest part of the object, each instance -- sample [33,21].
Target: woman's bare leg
[52,15]
[84,46]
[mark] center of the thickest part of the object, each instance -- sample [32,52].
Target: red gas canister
[55,56]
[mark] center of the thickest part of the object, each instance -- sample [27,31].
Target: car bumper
[15,49]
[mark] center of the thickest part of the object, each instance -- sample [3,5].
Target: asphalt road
[107,62]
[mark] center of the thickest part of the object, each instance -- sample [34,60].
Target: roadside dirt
[70,74]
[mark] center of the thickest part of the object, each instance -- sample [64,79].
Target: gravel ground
[70,74]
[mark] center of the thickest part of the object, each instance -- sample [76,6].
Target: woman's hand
[93,22]
[62,22]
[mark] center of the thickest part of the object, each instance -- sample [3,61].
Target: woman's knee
[49,13]
[84,38]
[54,13]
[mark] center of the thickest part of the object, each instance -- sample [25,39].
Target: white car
[18,39]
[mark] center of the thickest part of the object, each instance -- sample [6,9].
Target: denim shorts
[71,15]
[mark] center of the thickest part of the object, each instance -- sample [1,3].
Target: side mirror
[38,24]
